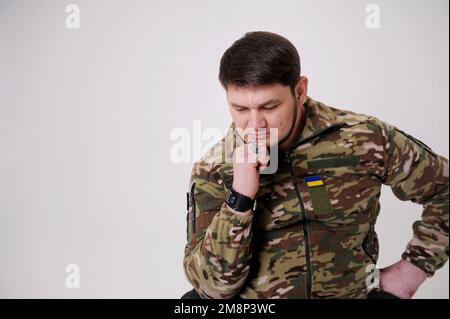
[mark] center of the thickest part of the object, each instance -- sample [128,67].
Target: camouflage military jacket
[312,232]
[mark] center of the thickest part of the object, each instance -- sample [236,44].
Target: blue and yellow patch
[314,181]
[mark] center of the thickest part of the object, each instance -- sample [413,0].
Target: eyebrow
[269,102]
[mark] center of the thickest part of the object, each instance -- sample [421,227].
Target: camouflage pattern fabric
[312,233]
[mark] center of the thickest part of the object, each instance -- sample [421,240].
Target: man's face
[268,106]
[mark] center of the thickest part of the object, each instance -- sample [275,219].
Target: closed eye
[269,108]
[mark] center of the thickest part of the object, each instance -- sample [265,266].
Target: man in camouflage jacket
[311,232]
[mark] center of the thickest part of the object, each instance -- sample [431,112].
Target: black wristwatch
[239,202]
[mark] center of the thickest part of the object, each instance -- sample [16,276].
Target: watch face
[231,199]
[239,202]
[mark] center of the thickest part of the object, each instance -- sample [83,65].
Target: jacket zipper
[305,229]
[302,208]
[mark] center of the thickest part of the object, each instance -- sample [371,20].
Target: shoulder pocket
[418,142]
[203,206]
[191,211]
[315,191]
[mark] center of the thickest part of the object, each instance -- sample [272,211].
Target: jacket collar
[319,118]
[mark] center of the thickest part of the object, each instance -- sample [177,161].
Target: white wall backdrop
[86,115]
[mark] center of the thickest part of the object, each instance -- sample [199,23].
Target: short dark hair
[260,58]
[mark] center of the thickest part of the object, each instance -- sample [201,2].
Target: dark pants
[380,294]
[191,295]
[194,295]
[374,294]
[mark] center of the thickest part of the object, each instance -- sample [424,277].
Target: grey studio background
[86,116]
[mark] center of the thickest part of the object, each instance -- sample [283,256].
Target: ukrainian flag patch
[314,181]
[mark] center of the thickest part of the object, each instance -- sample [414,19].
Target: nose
[257,120]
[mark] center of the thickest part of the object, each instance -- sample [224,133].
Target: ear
[301,90]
